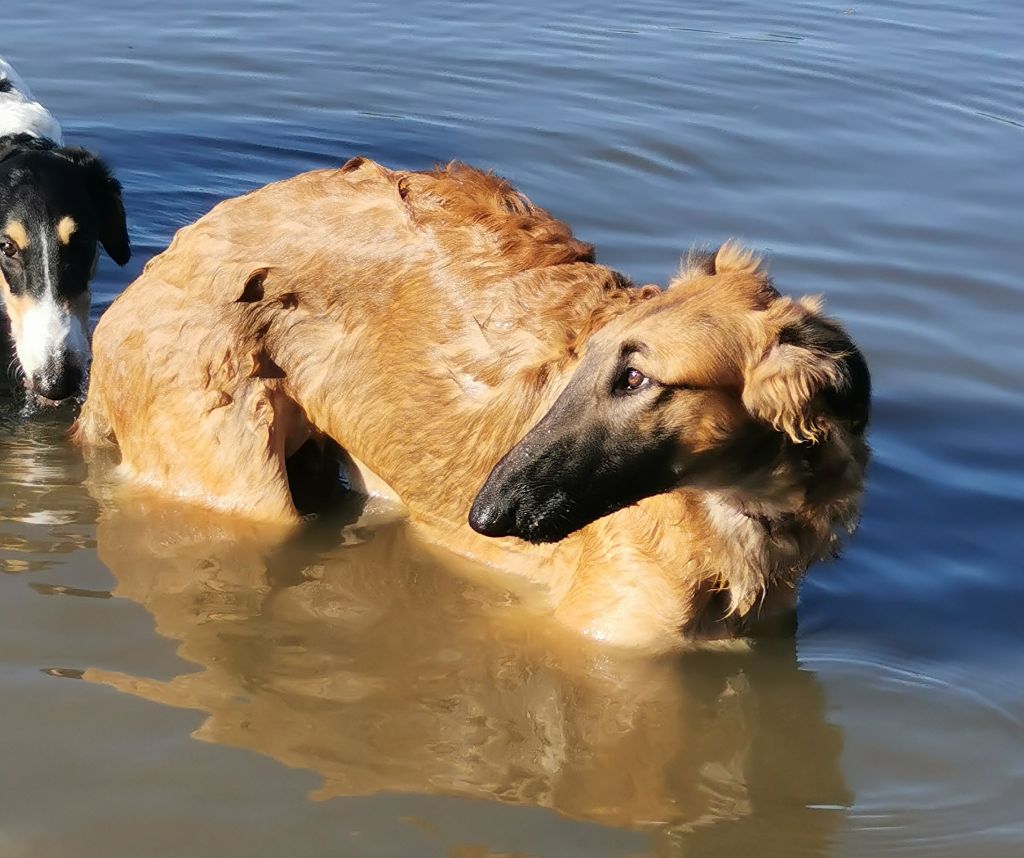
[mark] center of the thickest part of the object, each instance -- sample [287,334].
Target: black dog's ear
[12,144]
[105,191]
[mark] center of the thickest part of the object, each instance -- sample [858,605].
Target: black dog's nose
[56,383]
[491,518]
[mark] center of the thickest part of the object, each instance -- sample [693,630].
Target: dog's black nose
[58,382]
[491,518]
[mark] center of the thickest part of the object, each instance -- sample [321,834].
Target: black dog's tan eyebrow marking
[16,231]
[66,228]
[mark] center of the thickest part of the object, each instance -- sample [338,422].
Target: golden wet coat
[425,322]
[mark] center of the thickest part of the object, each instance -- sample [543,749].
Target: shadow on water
[350,652]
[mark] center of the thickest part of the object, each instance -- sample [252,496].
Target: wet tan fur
[426,321]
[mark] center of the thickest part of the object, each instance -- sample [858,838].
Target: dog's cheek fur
[15,307]
[704,420]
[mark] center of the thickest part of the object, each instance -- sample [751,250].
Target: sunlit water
[352,696]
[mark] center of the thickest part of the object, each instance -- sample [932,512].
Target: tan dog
[693,450]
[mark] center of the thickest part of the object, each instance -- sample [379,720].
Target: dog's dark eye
[630,380]
[8,248]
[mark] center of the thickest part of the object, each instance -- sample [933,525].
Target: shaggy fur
[425,322]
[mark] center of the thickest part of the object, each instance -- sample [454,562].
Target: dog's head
[56,206]
[717,384]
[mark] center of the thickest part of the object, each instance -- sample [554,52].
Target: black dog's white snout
[59,378]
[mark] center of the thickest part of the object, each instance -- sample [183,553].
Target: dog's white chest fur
[20,113]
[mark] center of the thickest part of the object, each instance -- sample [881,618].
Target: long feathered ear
[105,191]
[811,377]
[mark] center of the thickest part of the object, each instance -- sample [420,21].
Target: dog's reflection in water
[364,659]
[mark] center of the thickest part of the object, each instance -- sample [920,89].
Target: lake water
[165,691]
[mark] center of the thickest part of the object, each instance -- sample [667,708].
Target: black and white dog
[56,205]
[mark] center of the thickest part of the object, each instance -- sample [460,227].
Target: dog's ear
[811,377]
[12,144]
[105,191]
[731,258]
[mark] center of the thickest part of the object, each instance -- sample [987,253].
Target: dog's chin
[542,536]
[35,402]
[562,516]
[553,522]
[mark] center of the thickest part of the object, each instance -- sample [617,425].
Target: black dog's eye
[630,380]
[8,248]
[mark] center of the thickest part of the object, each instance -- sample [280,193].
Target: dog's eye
[630,380]
[8,248]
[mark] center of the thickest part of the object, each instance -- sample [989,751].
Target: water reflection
[43,513]
[352,653]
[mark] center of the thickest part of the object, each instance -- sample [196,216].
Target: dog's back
[20,113]
[421,278]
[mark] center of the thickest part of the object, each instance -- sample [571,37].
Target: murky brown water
[353,654]
[170,685]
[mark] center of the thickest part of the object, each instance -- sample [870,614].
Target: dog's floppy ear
[12,144]
[810,378]
[105,191]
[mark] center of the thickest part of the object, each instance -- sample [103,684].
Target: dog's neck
[768,540]
[755,547]
[703,563]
